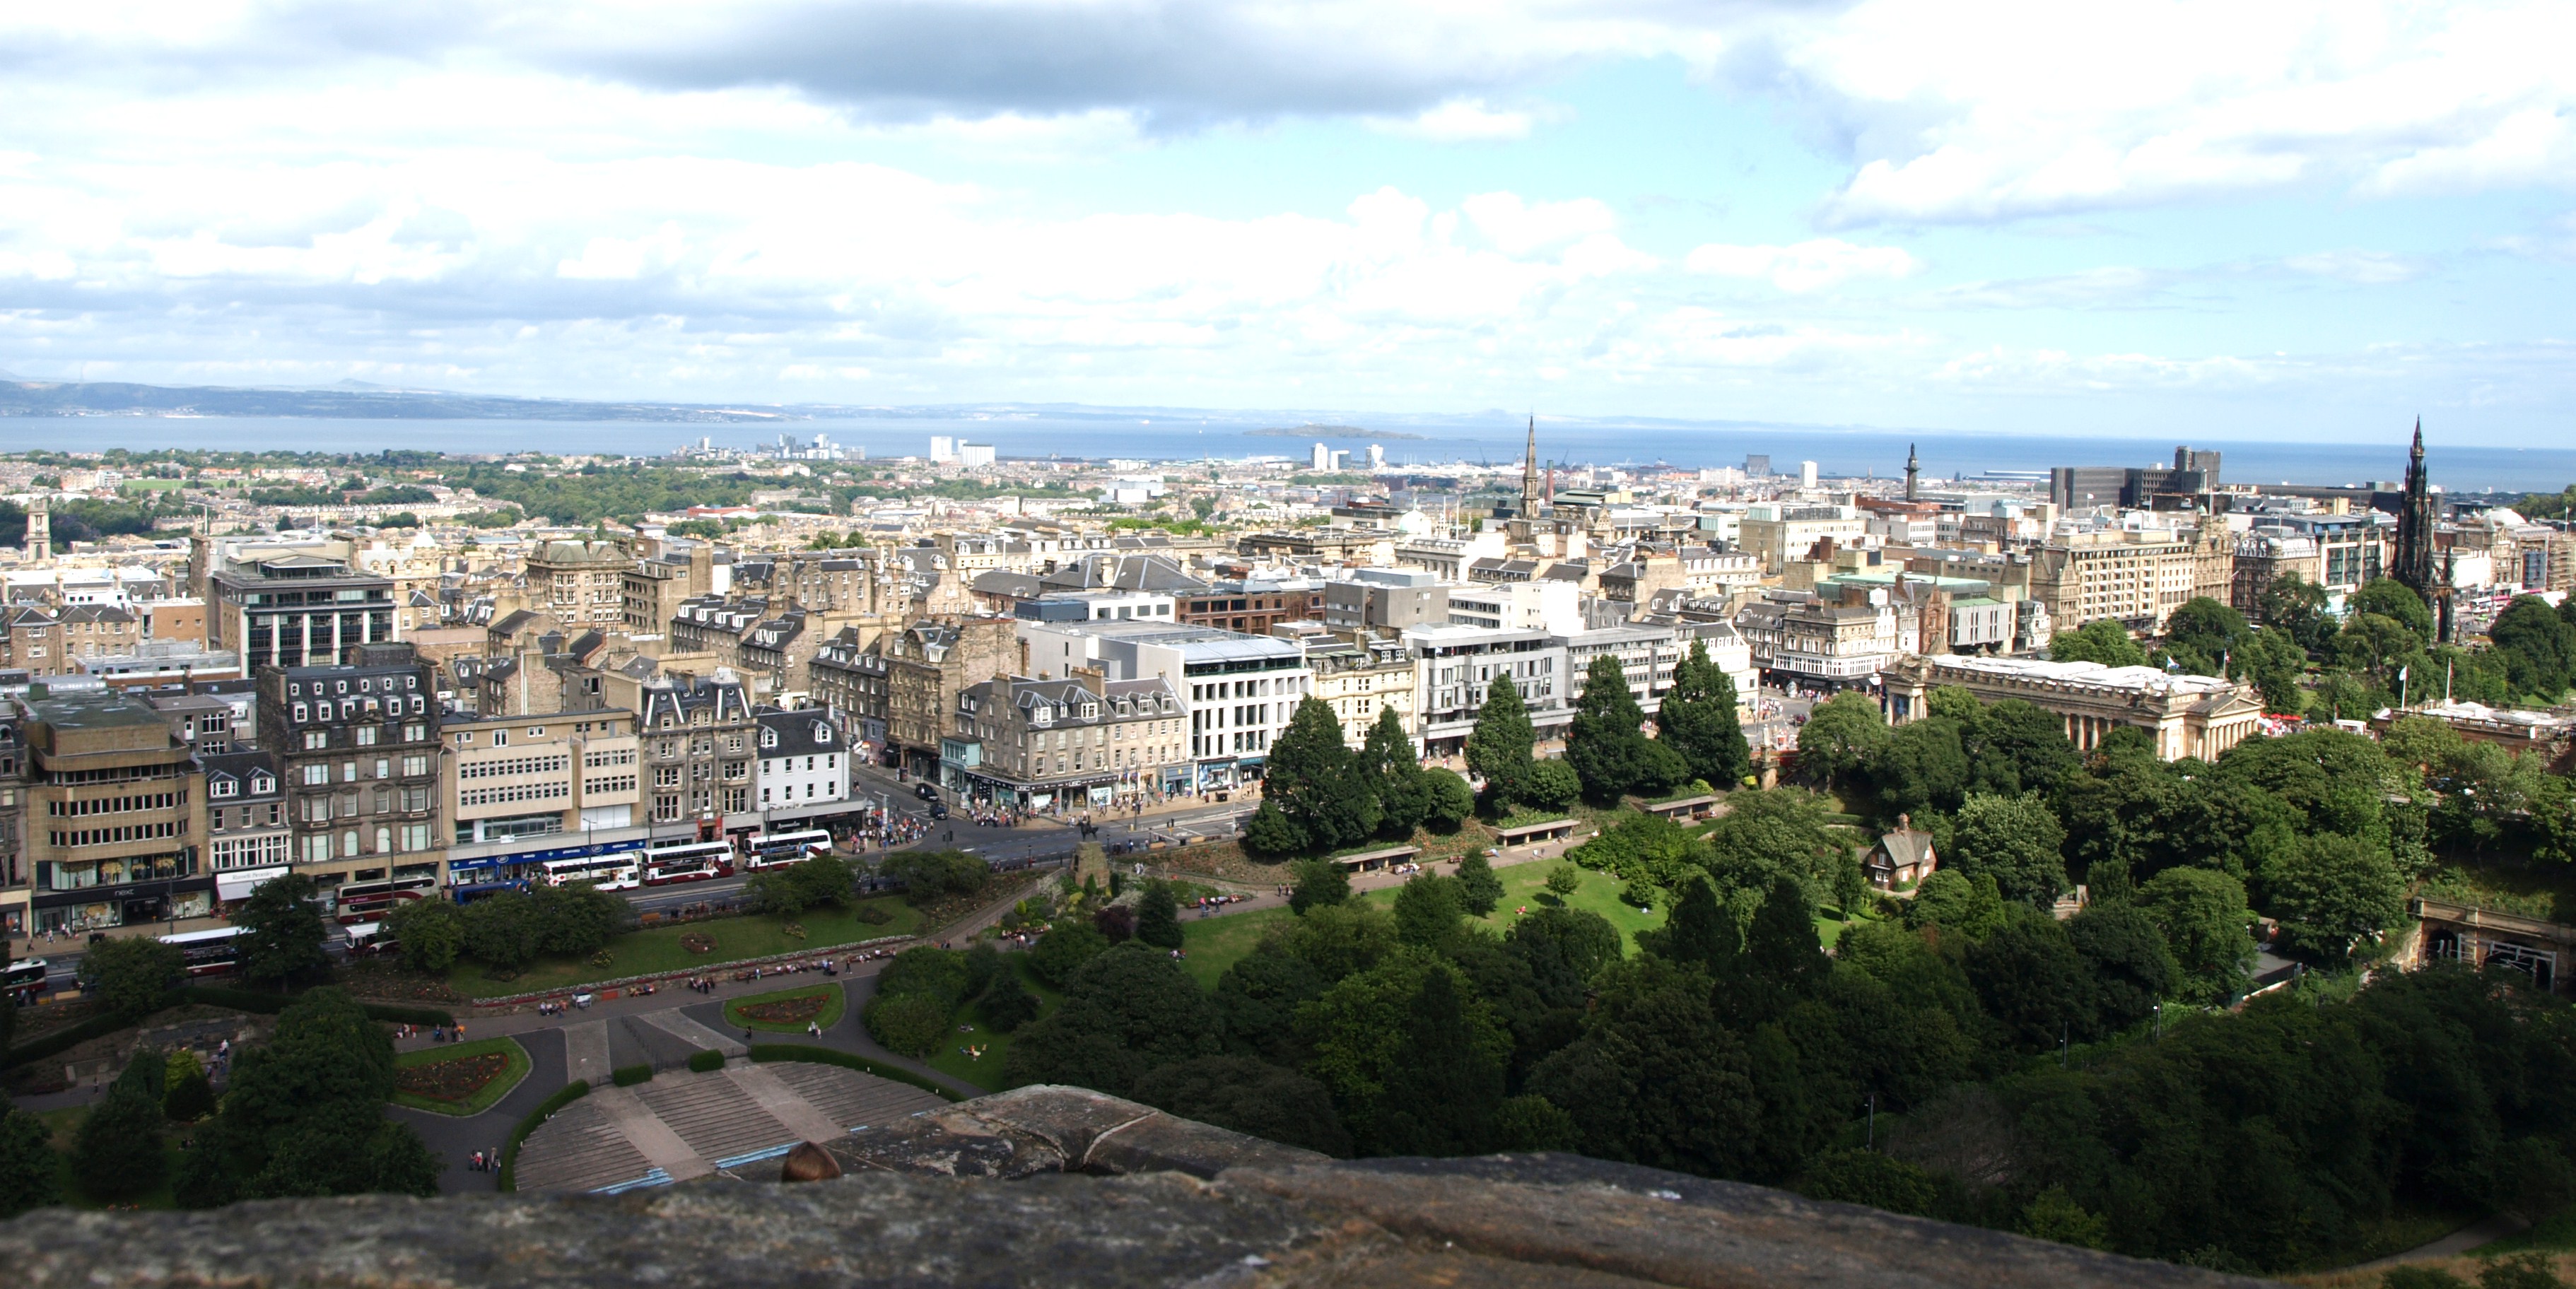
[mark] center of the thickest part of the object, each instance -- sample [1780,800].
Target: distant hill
[354,399]
[1332,432]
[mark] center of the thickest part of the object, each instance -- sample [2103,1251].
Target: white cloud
[2362,268]
[1461,120]
[1806,266]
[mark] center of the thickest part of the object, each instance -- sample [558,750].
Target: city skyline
[2165,223]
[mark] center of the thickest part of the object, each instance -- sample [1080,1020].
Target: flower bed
[454,1081]
[788,1011]
[460,1079]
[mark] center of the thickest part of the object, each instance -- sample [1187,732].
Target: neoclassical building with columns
[2196,716]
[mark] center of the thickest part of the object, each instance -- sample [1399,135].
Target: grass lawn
[833,997]
[65,1124]
[987,1073]
[657,949]
[1215,944]
[483,1097]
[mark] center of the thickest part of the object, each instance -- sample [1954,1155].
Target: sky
[2207,221]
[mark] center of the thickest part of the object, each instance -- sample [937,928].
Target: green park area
[662,949]
[80,1189]
[459,1078]
[789,1011]
[991,1045]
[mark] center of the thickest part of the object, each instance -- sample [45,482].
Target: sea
[1416,442]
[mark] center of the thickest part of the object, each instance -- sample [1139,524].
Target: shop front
[73,898]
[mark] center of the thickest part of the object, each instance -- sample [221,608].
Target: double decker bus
[693,861]
[467,893]
[207,953]
[371,901]
[25,980]
[774,850]
[617,872]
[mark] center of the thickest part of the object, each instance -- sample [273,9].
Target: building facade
[359,749]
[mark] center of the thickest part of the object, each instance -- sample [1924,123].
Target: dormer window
[261,785]
[222,788]
[769,738]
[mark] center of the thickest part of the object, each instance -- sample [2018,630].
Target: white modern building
[1239,690]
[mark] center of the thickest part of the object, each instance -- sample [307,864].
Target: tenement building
[2195,716]
[359,745]
[1080,741]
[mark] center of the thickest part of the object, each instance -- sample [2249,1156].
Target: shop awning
[239,885]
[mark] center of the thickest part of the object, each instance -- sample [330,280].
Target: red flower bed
[456,1080]
[786,1011]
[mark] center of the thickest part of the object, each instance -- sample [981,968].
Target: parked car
[925,792]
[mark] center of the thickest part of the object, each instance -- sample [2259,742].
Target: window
[300,713]
[261,785]
[316,740]
[414,766]
[464,739]
[536,731]
[316,774]
[222,788]
[500,738]
[366,735]
[348,772]
[317,847]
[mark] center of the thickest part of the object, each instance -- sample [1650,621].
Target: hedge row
[627,1076]
[241,1000]
[848,1060]
[569,1093]
[706,1059]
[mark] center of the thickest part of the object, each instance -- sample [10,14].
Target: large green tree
[2537,647]
[117,1154]
[2015,840]
[131,976]
[1388,764]
[1125,1012]
[2203,917]
[2387,597]
[1499,747]
[2101,640]
[1316,782]
[305,1115]
[1839,737]
[1699,721]
[2293,604]
[2331,892]
[282,933]
[2201,634]
[29,1169]
[1607,744]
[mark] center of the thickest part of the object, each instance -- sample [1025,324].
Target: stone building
[801,760]
[248,839]
[510,777]
[927,665]
[2194,716]
[1082,740]
[697,738]
[581,584]
[1361,677]
[359,745]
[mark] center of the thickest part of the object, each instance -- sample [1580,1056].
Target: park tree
[2293,604]
[1060,952]
[1655,1078]
[1271,832]
[1387,764]
[578,919]
[1125,1012]
[430,933]
[1839,738]
[2272,659]
[117,1154]
[282,933]
[1448,801]
[1318,882]
[2387,597]
[1478,889]
[1385,1037]
[2537,647]
[2033,981]
[1606,745]
[1158,916]
[1553,785]
[2201,634]
[2015,747]
[2101,640]
[1698,721]
[131,976]
[1249,1096]
[305,1115]
[1499,747]
[1427,909]
[187,1095]
[29,1169]
[1316,781]
[500,931]
[928,876]
[2331,892]
[2125,954]
[2015,840]
[812,883]
[1922,766]
[2203,917]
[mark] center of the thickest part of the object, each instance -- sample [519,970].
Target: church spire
[2416,523]
[1913,468]
[1529,471]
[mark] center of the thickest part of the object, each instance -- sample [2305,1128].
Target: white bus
[774,850]
[371,901]
[369,938]
[618,872]
[26,979]
[207,953]
[693,861]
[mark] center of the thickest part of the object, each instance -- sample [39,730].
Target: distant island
[1331,432]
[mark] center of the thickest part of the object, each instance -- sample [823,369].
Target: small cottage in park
[1901,858]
